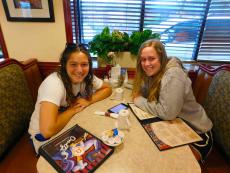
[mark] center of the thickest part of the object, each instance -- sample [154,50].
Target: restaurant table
[137,153]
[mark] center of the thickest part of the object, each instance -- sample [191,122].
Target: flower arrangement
[111,56]
[105,45]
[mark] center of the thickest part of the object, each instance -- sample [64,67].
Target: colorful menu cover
[75,151]
[170,134]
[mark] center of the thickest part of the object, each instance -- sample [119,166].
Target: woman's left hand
[82,102]
[135,95]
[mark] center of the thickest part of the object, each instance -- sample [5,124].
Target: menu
[170,134]
[140,114]
[76,150]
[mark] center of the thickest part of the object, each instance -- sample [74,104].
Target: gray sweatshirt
[176,100]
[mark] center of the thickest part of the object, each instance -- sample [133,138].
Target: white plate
[112,140]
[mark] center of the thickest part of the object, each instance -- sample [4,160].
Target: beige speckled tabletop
[137,153]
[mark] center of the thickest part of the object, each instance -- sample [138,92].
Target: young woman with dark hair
[162,87]
[65,93]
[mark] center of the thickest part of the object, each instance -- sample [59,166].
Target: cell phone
[116,109]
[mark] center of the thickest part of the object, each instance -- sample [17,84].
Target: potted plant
[138,37]
[106,42]
[107,45]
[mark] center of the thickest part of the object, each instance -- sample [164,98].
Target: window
[3,51]
[215,44]
[181,23]
[1,54]
[94,15]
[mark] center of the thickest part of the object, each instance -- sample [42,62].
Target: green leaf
[117,41]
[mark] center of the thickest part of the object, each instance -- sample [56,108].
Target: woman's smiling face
[77,67]
[150,61]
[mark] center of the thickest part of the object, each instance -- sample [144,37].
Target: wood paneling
[68,22]
[48,67]
[204,78]
[3,45]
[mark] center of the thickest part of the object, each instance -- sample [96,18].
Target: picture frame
[29,10]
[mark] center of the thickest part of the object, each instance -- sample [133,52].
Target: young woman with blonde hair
[162,87]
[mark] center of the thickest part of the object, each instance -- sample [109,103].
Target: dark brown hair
[68,51]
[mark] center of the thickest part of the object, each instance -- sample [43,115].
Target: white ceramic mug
[123,120]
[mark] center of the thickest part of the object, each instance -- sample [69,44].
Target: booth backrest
[17,98]
[204,78]
[33,76]
[212,90]
[217,106]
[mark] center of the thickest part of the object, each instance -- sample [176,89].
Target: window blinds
[179,22]
[123,15]
[215,44]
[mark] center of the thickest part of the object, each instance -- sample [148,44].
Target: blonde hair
[155,81]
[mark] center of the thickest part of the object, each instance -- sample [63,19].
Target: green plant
[106,42]
[138,37]
[117,41]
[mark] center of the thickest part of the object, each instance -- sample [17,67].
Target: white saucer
[112,140]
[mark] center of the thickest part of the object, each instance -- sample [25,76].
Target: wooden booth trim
[48,67]
[68,21]
[3,45]
[212,70]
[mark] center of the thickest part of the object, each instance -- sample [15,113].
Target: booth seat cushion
[217,106]
[16,106]
[21,158]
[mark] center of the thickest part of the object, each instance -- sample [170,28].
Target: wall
[41,40]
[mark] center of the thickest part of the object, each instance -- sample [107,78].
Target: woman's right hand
[51,121]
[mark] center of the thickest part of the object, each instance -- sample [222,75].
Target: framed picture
[29,10]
